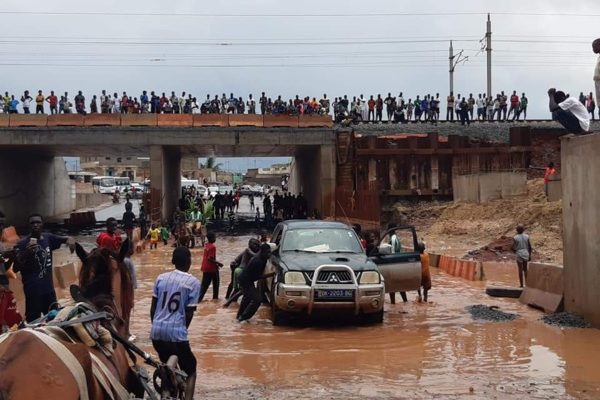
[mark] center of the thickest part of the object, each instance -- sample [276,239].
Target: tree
[211,163]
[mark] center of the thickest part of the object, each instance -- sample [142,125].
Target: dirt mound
[484,231]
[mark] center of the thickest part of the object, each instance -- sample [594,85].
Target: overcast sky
[288,48]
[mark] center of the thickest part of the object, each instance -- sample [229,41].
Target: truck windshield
[321,240]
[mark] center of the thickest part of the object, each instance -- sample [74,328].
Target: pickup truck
[320,266]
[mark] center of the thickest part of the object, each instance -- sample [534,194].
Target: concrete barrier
[555,190]
[280,121]
[220,120]
[18,120]
[90,200]
[544,287]
[479,188]
[65,275]
[9,235]
[245,120]
[175,120]
[315,121]
[65,120]
[82,218]
[4,120]
[139,119]
[434,260]
[470,270]
[102,120]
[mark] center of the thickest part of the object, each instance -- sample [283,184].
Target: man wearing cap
[34,261]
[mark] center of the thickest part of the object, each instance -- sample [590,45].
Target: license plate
[334,294]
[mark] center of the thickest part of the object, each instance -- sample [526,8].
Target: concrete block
[245,120]
[175,120]
[315,121]
[434,260]
[465,188]
[220,120]
[490,186]
[275,121]
[66,275]
[19,120]
[544,287]
[65,120]
[139,119]
[102,120]
[581,196]
[513,184]
[4,120]
[555,190]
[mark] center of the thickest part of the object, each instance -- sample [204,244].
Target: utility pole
[451,67]
[488,49]
[453,61]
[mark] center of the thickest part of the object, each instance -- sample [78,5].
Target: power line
[313,43]
[296,15]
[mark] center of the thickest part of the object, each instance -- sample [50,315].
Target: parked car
[321,266]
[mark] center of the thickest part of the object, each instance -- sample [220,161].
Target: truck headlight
[369,278]
[294,278]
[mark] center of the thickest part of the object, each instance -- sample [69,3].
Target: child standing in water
[425,273]
[154,234]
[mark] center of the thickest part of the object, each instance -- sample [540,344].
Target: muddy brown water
[421,351]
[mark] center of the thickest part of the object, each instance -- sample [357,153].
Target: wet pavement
[421,351]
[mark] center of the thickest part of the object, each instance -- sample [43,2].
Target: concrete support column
[31,183]
[372,177]
[414,174]
[165,181]
[314,174]
[435,173]
[393,174]
[327,168]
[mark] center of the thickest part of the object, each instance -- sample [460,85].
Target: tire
[277,315]
[508,292]
[373,318]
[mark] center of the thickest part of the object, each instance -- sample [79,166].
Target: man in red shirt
[109,239]
[514,105]
[53,101]
[371,104]
[210,268]
[549,173]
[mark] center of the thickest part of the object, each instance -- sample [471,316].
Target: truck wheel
[373,318]
[277,316]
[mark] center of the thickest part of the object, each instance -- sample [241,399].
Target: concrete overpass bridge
[30,145]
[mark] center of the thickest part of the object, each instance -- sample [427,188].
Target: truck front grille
[331,277]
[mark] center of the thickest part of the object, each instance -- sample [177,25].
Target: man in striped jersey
[174,300]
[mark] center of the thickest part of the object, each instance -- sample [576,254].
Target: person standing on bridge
[39,103]
[34,261]
[522,247]
[26,100]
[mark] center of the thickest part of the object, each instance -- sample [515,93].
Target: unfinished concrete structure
[581,227]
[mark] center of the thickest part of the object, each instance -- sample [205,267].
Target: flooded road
[432,350]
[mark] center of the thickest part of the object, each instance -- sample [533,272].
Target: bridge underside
[27,156]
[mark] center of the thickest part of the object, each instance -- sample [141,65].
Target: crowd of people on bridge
[360,109]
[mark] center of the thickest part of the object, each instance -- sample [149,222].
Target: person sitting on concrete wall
[569,112]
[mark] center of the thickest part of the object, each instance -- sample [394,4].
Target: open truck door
[398,259]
